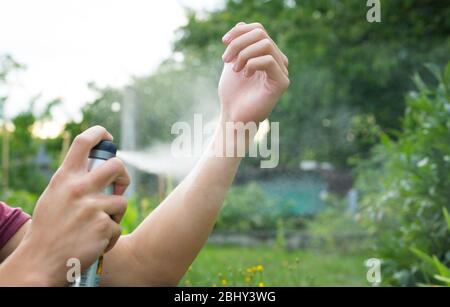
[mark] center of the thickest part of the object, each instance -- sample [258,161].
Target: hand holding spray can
[101,153]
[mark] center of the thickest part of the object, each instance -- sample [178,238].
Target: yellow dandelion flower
[249,270]
[248,280]
[224,282]
[260,268]
[261,285]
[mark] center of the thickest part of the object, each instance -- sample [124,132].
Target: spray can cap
[104,150]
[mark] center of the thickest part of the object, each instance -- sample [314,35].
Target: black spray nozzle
[105,150]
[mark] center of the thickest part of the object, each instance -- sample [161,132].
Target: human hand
[73,217]
[255,74]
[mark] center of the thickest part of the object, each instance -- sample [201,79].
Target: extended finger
[242,42]
[112,171]
[240,29]
[77,157]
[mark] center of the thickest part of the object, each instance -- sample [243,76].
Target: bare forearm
[254,77]
[168,241]
[26,267]
[26,264]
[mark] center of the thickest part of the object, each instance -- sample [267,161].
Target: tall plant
[406,184]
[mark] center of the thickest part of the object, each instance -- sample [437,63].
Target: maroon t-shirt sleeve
[10,222]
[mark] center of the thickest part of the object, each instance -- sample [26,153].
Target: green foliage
[138,209]
[406,184]
[280,240]
[100,112]
[340,64]
[335,228]
[248,208]
[20,199]
[7,66]
[433,264]
[344,72]
[24,172]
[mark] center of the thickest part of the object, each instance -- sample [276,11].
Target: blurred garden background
[364,142]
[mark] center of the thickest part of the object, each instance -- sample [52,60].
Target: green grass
[238,266]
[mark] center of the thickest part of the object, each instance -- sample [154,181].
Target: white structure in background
[352,201]
[128,131]
[311,166]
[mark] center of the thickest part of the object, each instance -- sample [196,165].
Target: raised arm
[160,250]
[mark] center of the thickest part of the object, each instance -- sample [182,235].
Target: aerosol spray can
[101,153]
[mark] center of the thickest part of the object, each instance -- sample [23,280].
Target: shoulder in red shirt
[11,220]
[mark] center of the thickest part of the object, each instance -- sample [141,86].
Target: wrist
[27,267]
[233,138]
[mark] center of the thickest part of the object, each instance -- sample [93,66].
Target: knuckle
[77,189]
[270,60]
[267,44]
[242,58]
[120,204]
[99,128]
[234,47]
[260,32]
[57,177]
[116,161]
[259,26]
[81,140]
[117,165]
[286,84]
[88,209]
[252,62]
[123,203]
[103,223]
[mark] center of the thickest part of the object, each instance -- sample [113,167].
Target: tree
[348,76]
[19,146]
[340,64]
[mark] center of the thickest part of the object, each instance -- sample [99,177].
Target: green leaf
[446,280]
[443,270]
[421,86]
[447,77]
[447,217]
[435,70]
[385,140]
[423,256]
